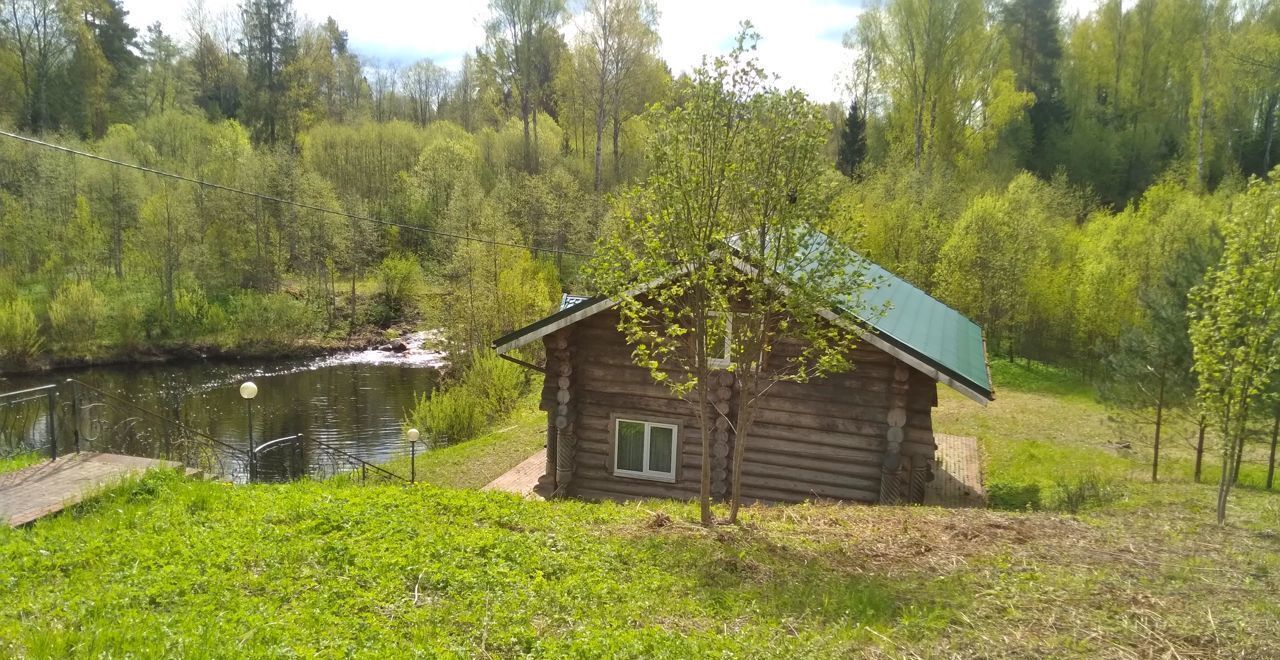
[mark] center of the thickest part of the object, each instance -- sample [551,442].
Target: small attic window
[723,337]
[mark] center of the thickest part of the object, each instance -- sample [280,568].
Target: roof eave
[590,307]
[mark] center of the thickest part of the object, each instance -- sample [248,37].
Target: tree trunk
[1200,447]
[117,227]
[617,160]
[1155,453]
[1204,111]
[1224,486]
[1239,457]
[1270,122]
[1231,457]
[524,117]
[746,415]
[1275,435]
[704,499]
[535,139]
[600,116]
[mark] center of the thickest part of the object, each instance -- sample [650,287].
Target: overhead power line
[280,200]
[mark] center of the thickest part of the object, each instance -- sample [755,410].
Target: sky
[800,39]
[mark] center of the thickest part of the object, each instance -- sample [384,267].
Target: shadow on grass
[1038,378]
[741,572]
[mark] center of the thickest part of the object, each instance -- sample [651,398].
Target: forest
[1092,190]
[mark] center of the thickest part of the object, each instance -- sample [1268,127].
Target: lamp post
[247,391]
[413,455]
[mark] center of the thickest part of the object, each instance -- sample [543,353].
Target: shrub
[19,332]
[497,382]
[449,416]
[127,321]
[1083,492]
[274,319]
[75,314]
[488,389]
[400,277]
[1014,497]
[1067,494]
[193,315]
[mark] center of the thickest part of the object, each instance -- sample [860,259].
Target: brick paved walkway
[37,491]
[522,478]
[957,475]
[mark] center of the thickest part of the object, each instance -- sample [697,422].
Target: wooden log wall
[828,438]
[560,363]
[609,385]
[722,395]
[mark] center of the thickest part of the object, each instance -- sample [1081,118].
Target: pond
[354,401]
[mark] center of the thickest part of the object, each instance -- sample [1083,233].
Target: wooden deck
[957,475]
[522,478]
[40,490]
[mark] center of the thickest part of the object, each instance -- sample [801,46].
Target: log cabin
[864,435]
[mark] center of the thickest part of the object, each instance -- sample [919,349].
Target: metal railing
[76,415]
[301,457]
[27,421]
[110,423]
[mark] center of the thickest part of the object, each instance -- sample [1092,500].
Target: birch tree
[1236,333]
[619,35]
[728,220]
[514,34]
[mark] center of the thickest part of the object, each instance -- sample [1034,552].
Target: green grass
[1044,438]
[166,567]
[474,463]
[19,461]
[174,568]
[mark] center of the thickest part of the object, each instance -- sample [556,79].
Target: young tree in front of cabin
[725,229]
[1236,331]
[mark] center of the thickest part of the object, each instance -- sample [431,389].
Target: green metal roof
[910,319]
[919,323]
[913,322]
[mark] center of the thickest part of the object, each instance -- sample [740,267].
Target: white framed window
[725,359]
[645,450]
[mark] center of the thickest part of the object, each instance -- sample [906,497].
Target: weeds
[1073,495]
[489,388]
[19,332]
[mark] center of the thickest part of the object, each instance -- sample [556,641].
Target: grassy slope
[178,568]
[474,463]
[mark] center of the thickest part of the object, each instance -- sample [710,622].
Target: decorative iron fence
[75,416]
[300,457]
[110,423]
[28,421]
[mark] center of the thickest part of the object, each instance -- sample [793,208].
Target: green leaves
[1236,330]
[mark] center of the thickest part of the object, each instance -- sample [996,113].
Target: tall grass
[489,388]
[76,314]
[19,332]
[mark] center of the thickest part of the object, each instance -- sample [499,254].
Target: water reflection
[353,401]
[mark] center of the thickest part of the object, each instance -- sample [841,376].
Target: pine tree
[269,46]
[1031,27]
[853,141]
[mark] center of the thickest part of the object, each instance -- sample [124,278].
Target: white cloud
[800,39]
